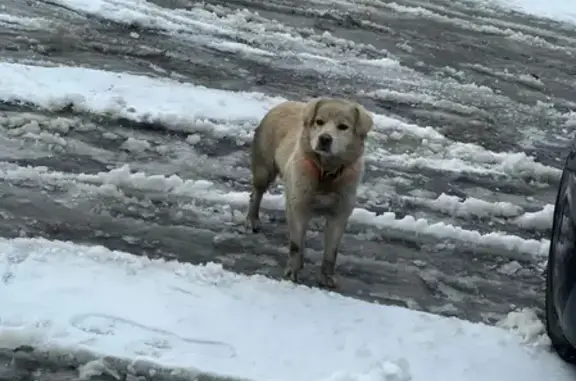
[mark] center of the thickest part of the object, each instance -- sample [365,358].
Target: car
[560,288]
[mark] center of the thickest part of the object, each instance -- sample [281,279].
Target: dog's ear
[364,121]
[310,111]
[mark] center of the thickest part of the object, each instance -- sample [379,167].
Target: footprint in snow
[152,341]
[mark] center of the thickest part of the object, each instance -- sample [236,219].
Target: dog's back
[278,131]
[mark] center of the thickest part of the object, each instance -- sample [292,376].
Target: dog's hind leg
[263,174]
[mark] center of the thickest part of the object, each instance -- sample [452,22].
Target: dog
[317,149]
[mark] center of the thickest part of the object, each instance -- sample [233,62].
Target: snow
[122,95]
[539,220]
[560,10]
[205,319]
[470,207]
[526,324]
[220,27]
[135,145]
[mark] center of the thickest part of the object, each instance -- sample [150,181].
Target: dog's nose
[325,140]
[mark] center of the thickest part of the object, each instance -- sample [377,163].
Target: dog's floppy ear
[310,111]
[364,121]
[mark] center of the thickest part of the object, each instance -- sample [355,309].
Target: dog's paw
[327,281]
[253,224]
[291,274]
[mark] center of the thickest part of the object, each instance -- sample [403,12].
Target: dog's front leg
[333,232]
[298,216]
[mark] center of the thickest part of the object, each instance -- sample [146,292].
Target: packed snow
[560,10]
[208,320]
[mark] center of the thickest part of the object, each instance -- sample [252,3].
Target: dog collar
[314,167]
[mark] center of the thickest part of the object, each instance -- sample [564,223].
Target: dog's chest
[325,202]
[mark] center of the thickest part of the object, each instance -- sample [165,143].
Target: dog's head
[336,127]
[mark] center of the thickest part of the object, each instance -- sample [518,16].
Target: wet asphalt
[526,62]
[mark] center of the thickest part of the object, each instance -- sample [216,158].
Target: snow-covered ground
[125,125]
[556,9]
[203,319]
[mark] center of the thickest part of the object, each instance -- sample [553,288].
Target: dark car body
[561,268]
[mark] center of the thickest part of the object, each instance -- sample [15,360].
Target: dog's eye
[342,127]
[319,122]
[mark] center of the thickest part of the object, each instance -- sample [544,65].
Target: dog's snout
[325,140]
